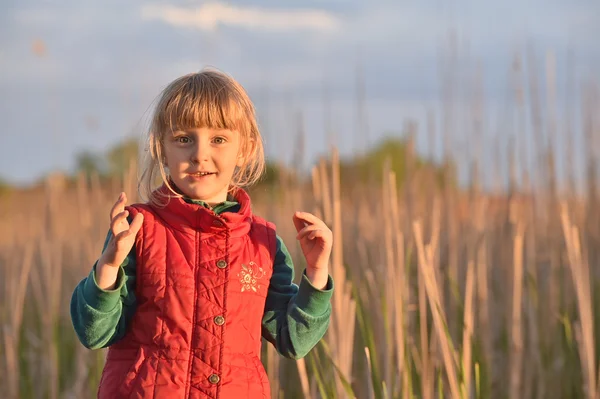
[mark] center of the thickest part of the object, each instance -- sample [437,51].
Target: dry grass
[440,292]
[505,323]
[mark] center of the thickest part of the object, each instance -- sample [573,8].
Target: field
[441,289]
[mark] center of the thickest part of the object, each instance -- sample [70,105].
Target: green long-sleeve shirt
[295,317]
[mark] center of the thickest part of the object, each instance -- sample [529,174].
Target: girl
[189,282]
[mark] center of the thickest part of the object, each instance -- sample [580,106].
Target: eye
[219,140]
[182,139]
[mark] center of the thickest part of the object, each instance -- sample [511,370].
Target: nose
[200,152]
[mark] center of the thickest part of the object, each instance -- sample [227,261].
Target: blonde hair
[206,99]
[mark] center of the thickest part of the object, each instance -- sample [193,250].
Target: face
[201,162]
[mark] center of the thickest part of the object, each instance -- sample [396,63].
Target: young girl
[189,282]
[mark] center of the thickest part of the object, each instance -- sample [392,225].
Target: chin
[196,195]
[201,195]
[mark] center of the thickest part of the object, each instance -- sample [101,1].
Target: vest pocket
[261,374]
[130,379]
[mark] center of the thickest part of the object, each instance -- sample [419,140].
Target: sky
[83,76]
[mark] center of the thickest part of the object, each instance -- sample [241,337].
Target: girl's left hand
[316,240]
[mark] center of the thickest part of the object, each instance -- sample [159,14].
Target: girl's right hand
[123,234]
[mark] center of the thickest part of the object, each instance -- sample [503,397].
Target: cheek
[173,157]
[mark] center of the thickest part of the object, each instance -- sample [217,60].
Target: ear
[246,153]
[158,151]
[163,161]
[241,160]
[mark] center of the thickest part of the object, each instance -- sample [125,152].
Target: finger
[119,206]
[136,224]
[121,236]
[116,222]
[306,231]
[298,223]
[134,227]
[318,234]
[309,218]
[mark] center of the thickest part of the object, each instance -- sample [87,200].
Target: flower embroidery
[249,276]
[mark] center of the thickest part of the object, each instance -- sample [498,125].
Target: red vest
[201,285]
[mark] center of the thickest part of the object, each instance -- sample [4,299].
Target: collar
[187,216]
[230,205]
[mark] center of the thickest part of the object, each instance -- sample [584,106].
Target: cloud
[210,15]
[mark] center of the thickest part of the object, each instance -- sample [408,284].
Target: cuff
[311,299]
[99,299]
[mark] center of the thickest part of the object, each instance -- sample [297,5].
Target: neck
[229,197]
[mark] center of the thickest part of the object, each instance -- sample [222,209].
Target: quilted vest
[201,286]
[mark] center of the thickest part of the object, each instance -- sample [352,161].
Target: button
[217,223]
[219,320]
[214,379]
[222,264]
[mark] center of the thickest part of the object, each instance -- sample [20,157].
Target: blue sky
[105,62]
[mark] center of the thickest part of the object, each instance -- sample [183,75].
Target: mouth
[201,175]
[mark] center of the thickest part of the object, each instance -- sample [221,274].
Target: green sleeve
[100,317]
[296,317]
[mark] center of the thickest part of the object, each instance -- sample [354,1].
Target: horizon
[89,87]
